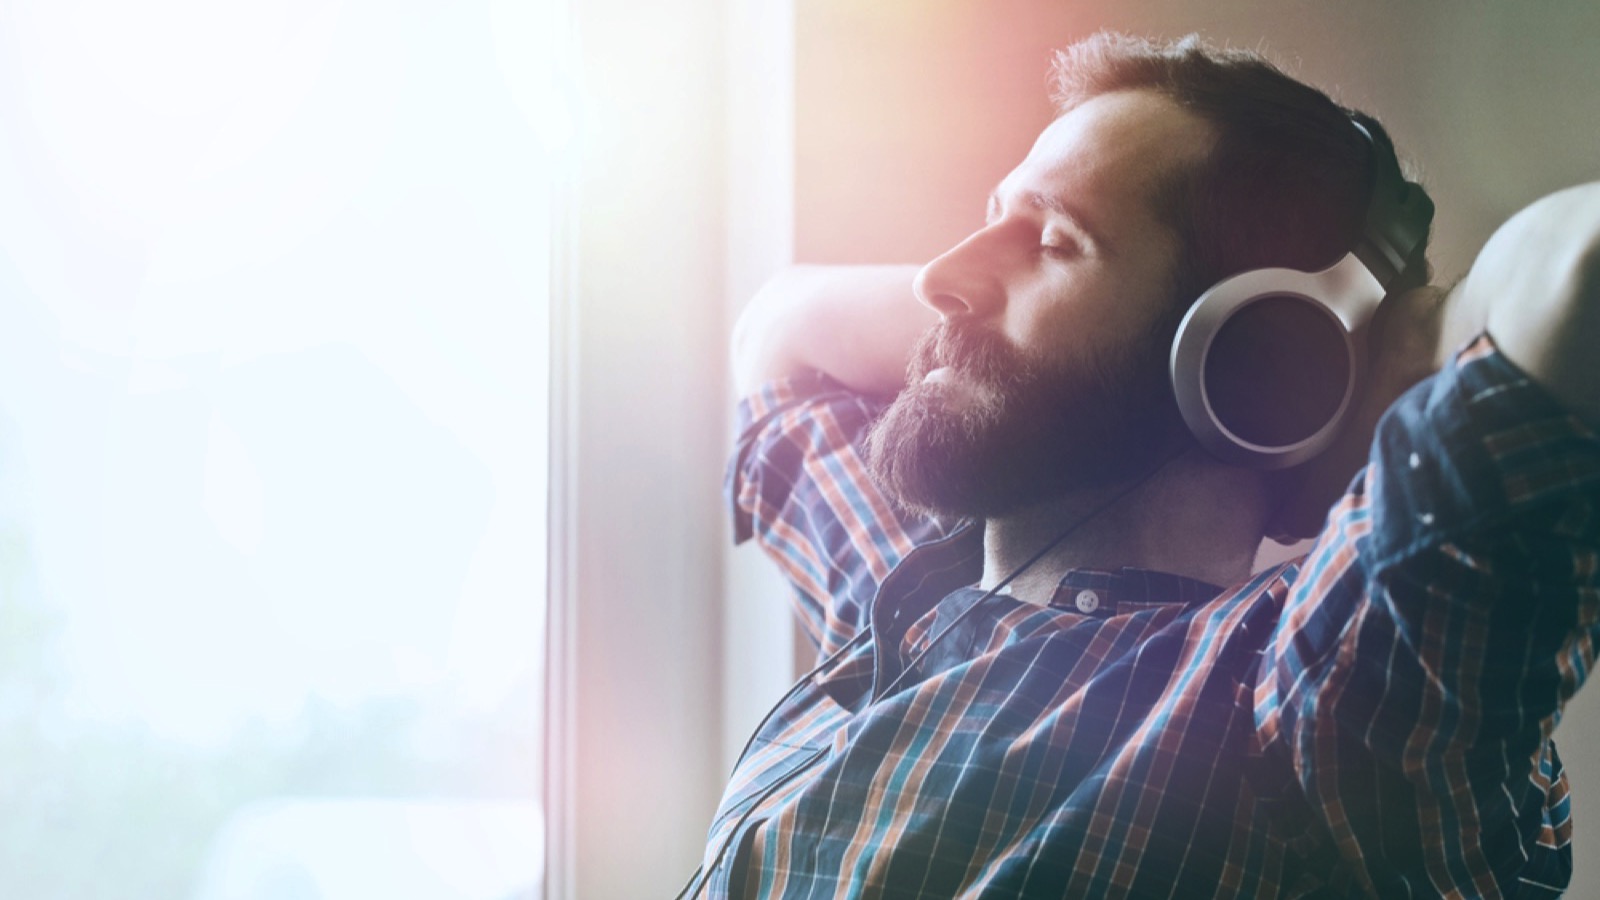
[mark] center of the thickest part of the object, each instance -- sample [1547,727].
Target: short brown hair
[1285,184]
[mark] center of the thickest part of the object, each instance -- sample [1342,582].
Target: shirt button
[1087,601]
[1416,461]
[1425,518]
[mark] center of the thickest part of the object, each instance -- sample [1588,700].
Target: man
[1034,682]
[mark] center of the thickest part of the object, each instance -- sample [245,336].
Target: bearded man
[1046,667]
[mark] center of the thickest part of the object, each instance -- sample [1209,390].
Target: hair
[1286,182]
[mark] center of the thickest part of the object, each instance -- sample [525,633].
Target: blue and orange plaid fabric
[1373,719]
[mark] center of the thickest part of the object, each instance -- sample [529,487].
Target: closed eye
[1058,244]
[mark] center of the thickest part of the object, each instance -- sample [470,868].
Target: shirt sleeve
[798,485]
[1439,624]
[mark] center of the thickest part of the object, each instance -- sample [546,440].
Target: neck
[1193,517]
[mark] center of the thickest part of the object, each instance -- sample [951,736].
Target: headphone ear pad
[1278,371]
[1265,364]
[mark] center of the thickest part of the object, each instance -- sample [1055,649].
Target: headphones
[1266,364]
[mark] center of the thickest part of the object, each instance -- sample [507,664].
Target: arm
[1536,288]
[1452,604]
[797,483]
[854,323]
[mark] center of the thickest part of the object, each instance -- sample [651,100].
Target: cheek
[1074,316]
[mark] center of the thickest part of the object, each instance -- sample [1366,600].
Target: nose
[963,281]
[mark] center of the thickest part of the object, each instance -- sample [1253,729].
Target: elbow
[1586,274]
[1541,281]
[856,324]
[762,345]
[748,350]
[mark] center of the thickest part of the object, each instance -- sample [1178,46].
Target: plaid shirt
[1372,719]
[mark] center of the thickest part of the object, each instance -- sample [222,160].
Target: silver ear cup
[1265,364]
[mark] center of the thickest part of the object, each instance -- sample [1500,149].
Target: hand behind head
[1401,351]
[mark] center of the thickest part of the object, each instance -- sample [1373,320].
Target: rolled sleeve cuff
[759,419]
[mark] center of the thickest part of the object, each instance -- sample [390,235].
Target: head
[1169,167]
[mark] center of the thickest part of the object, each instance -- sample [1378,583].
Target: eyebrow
[1058,205]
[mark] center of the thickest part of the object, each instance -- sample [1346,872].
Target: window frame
[679,204]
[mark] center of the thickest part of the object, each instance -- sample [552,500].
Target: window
[273,447]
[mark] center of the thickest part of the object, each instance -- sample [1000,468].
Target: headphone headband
[1398,214]
[1266,364]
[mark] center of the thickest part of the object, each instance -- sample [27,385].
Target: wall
[907,113]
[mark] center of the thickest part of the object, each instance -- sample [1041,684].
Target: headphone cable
[1054,542]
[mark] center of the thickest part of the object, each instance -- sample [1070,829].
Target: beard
[1008,430]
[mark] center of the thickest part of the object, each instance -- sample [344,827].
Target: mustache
[977,353]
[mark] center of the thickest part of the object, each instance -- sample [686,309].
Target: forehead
[1109,154]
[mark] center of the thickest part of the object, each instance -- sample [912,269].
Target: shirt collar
[937,569]
[1104,592]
